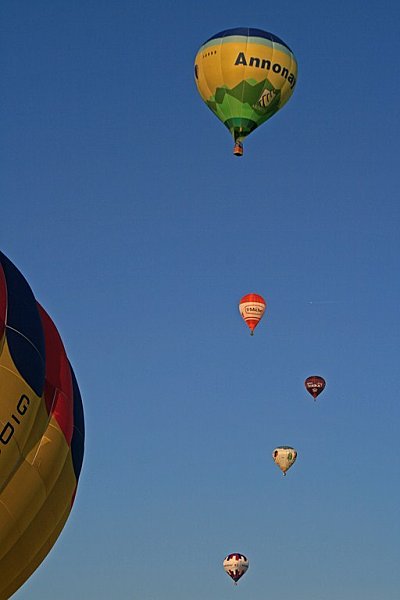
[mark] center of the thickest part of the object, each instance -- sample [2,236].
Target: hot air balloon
[235,566]
[315,385]
[41,431]
[252,307]
[284,457]
[245,76]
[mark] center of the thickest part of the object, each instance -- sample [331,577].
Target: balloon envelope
[41,431]
[252,308]
[236,565]
[315,385]
[245,76]
[284,457]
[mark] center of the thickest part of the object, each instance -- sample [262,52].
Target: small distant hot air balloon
[315,385]
[252,307]
[235,566]
[284,457]
[245,76]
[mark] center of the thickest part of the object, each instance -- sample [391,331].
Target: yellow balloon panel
[22,416]
[227,65]
[30,565]
[36,540]
[52,445]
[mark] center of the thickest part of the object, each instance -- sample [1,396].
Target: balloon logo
[41,431]
[252,308]
[245,76]
[235,566]
[315,385]
[284,457]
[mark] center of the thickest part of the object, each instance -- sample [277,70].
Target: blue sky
[139,232]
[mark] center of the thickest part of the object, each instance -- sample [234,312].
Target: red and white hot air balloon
[315,385]
[235,566]
[252,307]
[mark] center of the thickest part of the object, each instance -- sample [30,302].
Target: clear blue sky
[138,231]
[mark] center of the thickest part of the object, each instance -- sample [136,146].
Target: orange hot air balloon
[252,307]
[315,385]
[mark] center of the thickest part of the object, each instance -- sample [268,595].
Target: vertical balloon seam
[22,319]
[204,76]
[273,44]
[57,377]
[27,439]
[225,39]
[47,543]
[63,484]
[29,443]
[45,495]
[221,113]
[18,517]
[23,576]
[244,79]
[285,95]
[3,306]
[67,448]
[218,108]
[29,569]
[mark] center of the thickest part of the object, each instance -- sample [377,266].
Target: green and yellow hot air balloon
[245,76]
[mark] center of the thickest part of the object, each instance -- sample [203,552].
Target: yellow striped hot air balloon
[41,431]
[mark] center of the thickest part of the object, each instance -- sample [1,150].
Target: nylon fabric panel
[224,114]
[32,565]
[22,417]
[39,537]
[58,387]
[34,480]
[237,133]
[250,32]
[225,109]
[287,90]
[259,83]
[24,328]
[78,437]
[23,498]
[51,455]
[203,85]
[3,306]
[8,529]
[230,72]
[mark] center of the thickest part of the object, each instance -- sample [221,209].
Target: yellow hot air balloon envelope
[41,431]
[245,76]
[284,457]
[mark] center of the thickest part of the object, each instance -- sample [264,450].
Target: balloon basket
[238,149]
